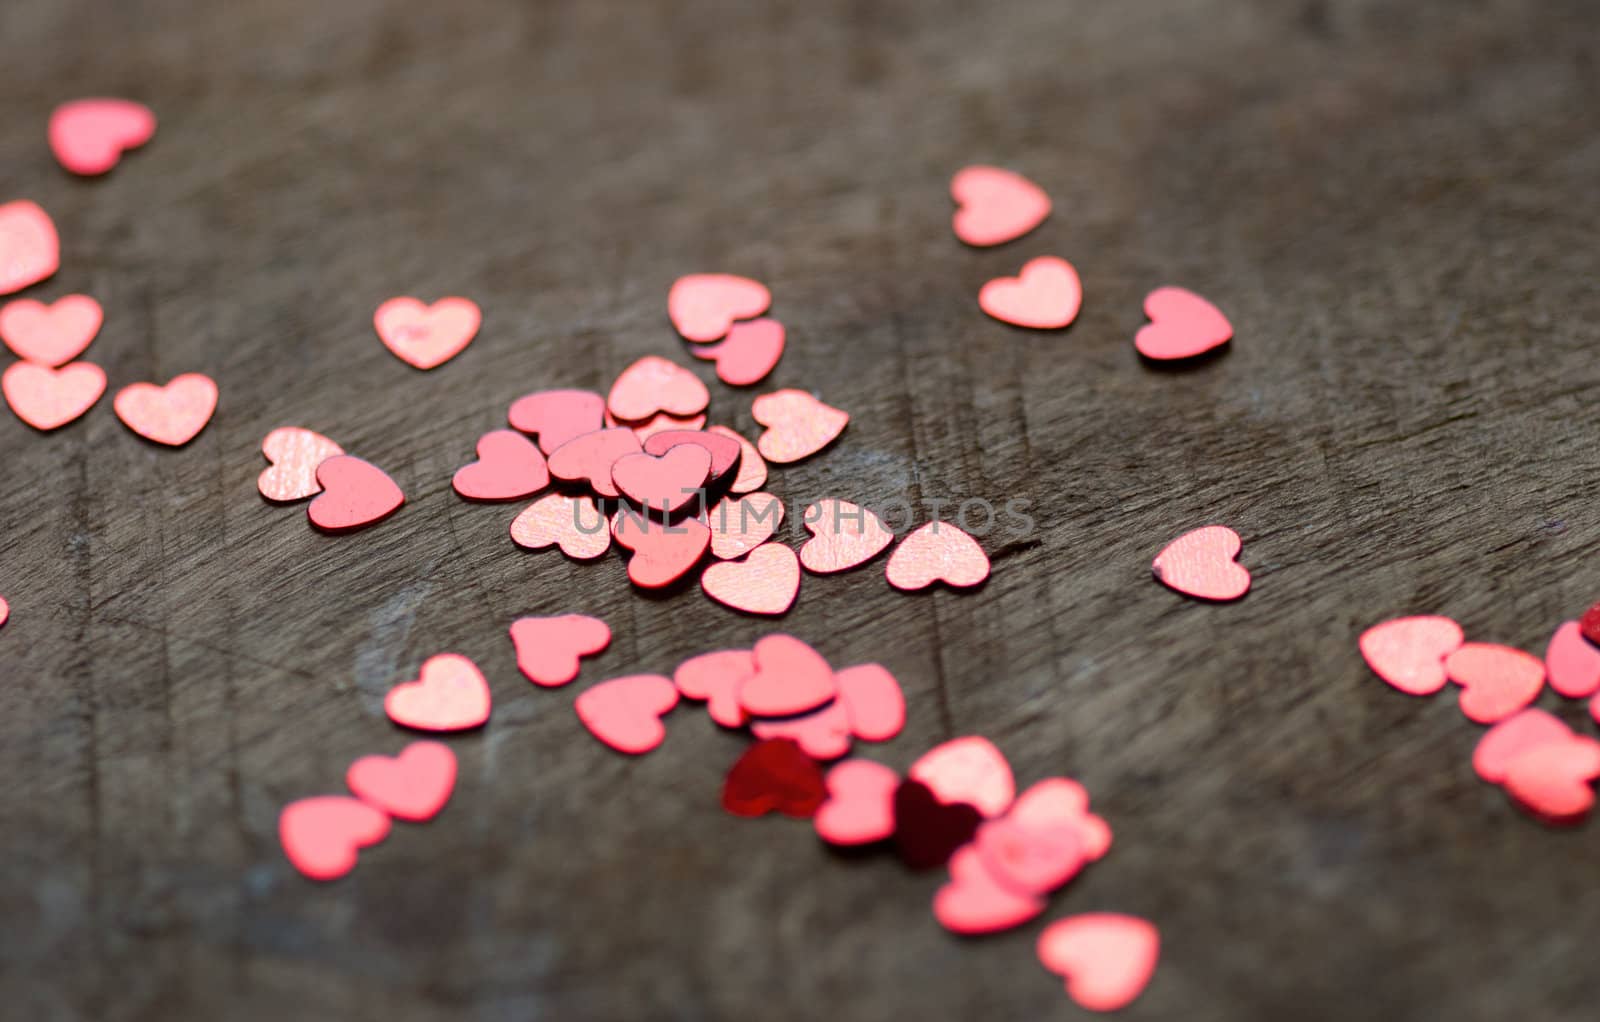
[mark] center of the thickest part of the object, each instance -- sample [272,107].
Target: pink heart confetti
[860,805]
[662,554]
[750,352]
[740,525]
[1060,801]
[89,136]
[703,306]
[937,552]
[1555,781]
[790,678]
[29,249]
[1045,296]
[715,678]
[1029,859]
[1201,564]
[752,467]
[873,701]
[549,648]
[974,902]
[171,415]
[1511,738]
[323,835]
[556,416]
[725,450]
[589,458]
[822,734]
[996,205]
[509,467]
[48,398]
[665,483]
[1182,325]
[969,770]
[843,536]
[1572,662]
[798,425]
[412,786]
[625,713]
[50,335]
[450,694]
[1409,652]
[766,581]
[426,336]
[573,523]
[295,455]
[1496,681]
[355,494]
[653,385]
[1106,958]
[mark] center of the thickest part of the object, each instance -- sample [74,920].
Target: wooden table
[1395,203]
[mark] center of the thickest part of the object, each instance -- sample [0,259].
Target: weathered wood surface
[1395,202]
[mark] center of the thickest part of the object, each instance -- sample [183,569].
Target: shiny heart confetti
[295,454]
[5,611]
[425,336]
[739,525]
[509,467]
[450,694]
[412,786]
[1046,295]
[927,831]
[973,902]
[715,679]
[996,205]
[549,648]
[1511,738]
[790,678]
[588,458]
[823,734]
[703,306]
[1106,958]
[937,552]
[1589,624]
[1572,662]
[659,423]
[322,836]
[1029,859]
[798,425]
[171,415]
[653,385]
[89,136]
[766,581]
[1554,781]
[752,467]
[860,805]
[843,536]
[50,335]
[573,523]
[1202,564]
[749,353]
[625,713]
[1182,325]
[29,249]
[873,701]
[1409,652]
[666,483]
[725,450]
[968,769]
[1496,681]
[48,399]
[774,776]
[1059,801]
[662,554]
[556,416]
[355,494]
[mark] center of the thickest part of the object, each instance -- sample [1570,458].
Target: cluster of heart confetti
[1543,766]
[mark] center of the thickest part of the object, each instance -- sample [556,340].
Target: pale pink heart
[974,902]
[625,713]
[1572,662]
[556,416]
[741,524]
[822,734]
[873,700]
[5,610]
[703,306]
[1046,295]
[996,205]
[1201,564]
[573,523]
[588,458]
[89,136]
[413,786]
[1060,801]
[323,835]
[1555,781]
[937,552]
[766,581]
[1029,859]
[860,805]
[425,336]
[843,535]
[509,467]
[171,415]
[790,678]
[750,352]
[1182,325]
[798,425]
[450,694]
[970,770]
[48,398]
[653,385]
[295,455]
[30,251]
[355,493]
[549,648]
[50,335]
[1106,958]
[1511,738]
[716,678]
[1496,681]
[1409,652]
[752,467]
[725,451]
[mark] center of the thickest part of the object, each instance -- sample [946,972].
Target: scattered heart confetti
[774,776]
[549,648]
[426,336]
[1554,781]
[666,483]
[873,701]
[1496,681]
[355,494]
[573,523]
[766,581]
[509,467]
[413,786]
[703,306]
[927,831]
[973,902]
[661,423]
[1409,652]
[790,678]
[824,734]
[715,678]
[1511,738]
[5,611]
[588,458]
[653,385]
[996,205]
[1589,624]
[1106,958]
[843,536]
[1182,325]
[50,335]
[798,425]
[89,136]
[968,769]
[750,352]
[1028,859]
[323,835]
[740,525]
[48,398]
[1060,801]
[625,713]
[725,450]
[1572,662]
[1046,295]
[860,805]
[450,694]
[1201,564]
[556,416]
[752,467]
[937,552]
[29,249]
[171,415]
[295,455]
[662,554]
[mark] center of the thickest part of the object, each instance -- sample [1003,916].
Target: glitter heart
[653,385]
[662,554]
[321,836]
[996,206]
[1496,681]
[970,770]
[556,416]
[860,805]
[823,734]
[295,454]
[1572,662]
[425,336]
[89,136]
[927,830]
[1201,564]
[1511,738]
[1106,958]
[1046,295]
[1182,325]
[509,467]
[765,582]
[751,351]
[1554,781]
[573,523]
[549,648]
[48,398]
[790,678]
[1060,801]
[50,335]
[872,698]
[937,552]
[29,249]
[588,458]
[625,713]
[716,678]
[1029,859]
[724,450]
[843,536]
[413,786]
[171,415]
[450,694]
[1409,652]
[703,306]
[798,425]
[355,494]
[752,467]
[740,525]
[667,483]
[774,775]
[974,902]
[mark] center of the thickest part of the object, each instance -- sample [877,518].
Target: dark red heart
[926,831]
[774,775]
[1589,624]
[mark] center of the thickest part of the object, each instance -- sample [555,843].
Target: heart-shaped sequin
[860,805]
[323,835]
[653,385]
[790,678]
[798,425]
[1182,325]
[625,713]
[1572,662]
[873,700]
[1060,801]
[703,306]
[50,335]
[573,523]
[928,830]
[1555,781]
[48,398]
[1409,652]
[937,552]
[89,136]
[970,770]
[509,467]
[774,775]
[556,416]
[450,694]
[413,786]
[996,205]
[666,483]
[715,678]
[295,455]
[1496,681]
[1511,738]
[766,581]
[843,536]
[1046,295]
[1106,958]
[549,648]
[30,251]
[425,336]
[1201,564]
[662,554]
[355,494]
[171,415]
[750,352]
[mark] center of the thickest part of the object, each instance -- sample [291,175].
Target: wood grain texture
[1395,202]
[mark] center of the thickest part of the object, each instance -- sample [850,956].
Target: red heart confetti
[89,136]
[1046,295]
[715,678]
[662,554]
[798,425]
[48,398]
[171,415]
[824,734]
[774,775]
[1511,738]
[1201,564]
[653,385]
[450,694]
[666,483]
[295,455]
[974,902]
[29,249]
[968,769]
[937,552]
[740,525]
[1106,958]
[549,648]
[355,494]
[766,581]
[588,458]
[1572,662]
[750,352]
[556,416]
[1182,325]
[413,786]
[509,467]
[1555,781]
[752,467]
[860,805]
[50,335]
[725,450]
[573,523]
[843,536]
[426,336]
[625,713]
[321,836]
[703,306]
[1590,624]
[1409,652]
[996,205]
[1496,681]
[790,678]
